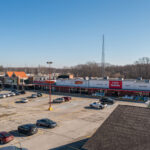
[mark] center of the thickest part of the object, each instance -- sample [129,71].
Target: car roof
[3,133]
[60,98]
[27,125]
[46,119]
[108,98]
[8,148]
[11,148]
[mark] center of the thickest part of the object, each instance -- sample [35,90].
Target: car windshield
[110,99]
[28,126]
[48,120]
[7,134]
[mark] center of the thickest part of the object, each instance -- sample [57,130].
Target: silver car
[58,100]
[34,96]
[12,94]
[46,123]
[7,94]
[24,100]
[2,95]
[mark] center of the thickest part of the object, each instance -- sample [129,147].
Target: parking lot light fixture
[50,107]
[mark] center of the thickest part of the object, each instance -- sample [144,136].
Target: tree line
[140,68]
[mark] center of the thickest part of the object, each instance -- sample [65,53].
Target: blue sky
[69,32]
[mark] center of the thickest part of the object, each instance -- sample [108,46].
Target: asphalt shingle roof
[20,74]
[127,128]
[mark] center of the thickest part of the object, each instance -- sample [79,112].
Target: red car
[67,98]
[5,137]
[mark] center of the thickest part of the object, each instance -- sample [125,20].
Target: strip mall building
[111,87]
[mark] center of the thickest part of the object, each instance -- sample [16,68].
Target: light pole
[50,108]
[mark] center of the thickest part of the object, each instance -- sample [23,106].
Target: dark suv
[28,129]
[23,92]
[106,100]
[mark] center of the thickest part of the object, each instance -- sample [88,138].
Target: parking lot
[76,121]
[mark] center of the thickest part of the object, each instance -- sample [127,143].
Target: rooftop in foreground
[127,128]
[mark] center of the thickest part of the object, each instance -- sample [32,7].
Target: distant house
[2,75]
[15,78]
[127,128]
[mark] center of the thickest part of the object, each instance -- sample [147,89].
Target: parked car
[98,94]
[28,129]
[46,122]
[24,100]
[39,94]
[23,92]
[34,96]
[12,94]
[66,98]
[58,100]
[97,105]
[128,97]
[7,94]
[13,90]
[5,137]
[12,148]
[2,95]
[17,93]
[106,100]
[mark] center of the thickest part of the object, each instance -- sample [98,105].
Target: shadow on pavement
[88,107]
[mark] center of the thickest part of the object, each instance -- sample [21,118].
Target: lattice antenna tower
[103,57]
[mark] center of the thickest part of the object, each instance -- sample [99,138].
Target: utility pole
[103,57]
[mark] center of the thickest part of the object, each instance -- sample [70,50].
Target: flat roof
[127,128]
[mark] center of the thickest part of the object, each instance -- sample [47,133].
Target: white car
[12,94]
[97,105]
[148,103]
[7,94]
[24,100]
[2,95]
[58,100]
